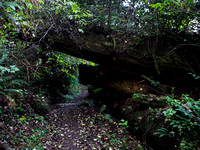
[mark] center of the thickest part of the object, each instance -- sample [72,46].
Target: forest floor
[79,125]
[76,125]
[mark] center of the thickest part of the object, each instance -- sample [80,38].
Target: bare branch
[46,33]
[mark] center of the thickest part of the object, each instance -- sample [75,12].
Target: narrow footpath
[79,125]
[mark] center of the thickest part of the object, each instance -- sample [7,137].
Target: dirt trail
[75,126]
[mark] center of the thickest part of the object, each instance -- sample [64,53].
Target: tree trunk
[110,14]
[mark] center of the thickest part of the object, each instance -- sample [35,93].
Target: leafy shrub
[98,90]
[183,116]
[57,76]
[124,123]
[8,84]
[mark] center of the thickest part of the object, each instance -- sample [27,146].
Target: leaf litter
[78,127]
[68,127]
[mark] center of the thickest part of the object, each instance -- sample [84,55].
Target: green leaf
[103,107]
[4,94]
[122,120]
[12,5]
[163,129]
[197,107]
[157,133]
[15,91]
[107,116]
[18,82]
[162,135]
[1,112]
[41,1]
[18,6]
[80,30]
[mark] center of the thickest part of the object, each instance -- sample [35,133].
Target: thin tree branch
[46,33]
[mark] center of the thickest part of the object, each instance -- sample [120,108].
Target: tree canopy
[163,34]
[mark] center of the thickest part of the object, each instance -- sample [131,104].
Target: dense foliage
[144,17]
[29,74]
[32,74]
[182,122]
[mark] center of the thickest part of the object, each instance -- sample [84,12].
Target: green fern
[162,132]
[18,82]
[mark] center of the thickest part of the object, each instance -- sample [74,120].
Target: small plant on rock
[124,123]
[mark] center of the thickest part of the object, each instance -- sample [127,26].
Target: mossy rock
[144,121]
[151,100]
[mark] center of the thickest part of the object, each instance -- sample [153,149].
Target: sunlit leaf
[80,30]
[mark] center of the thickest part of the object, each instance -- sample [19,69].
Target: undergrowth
[182,117]
[24,132]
